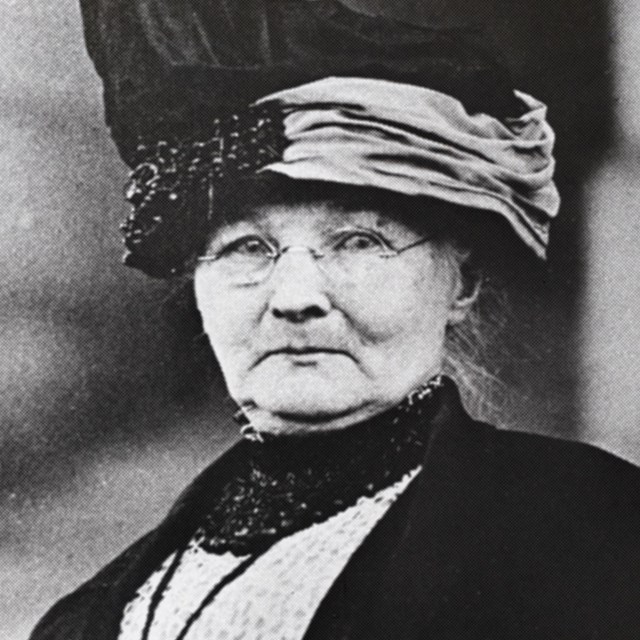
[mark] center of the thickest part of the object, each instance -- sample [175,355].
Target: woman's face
[311,347]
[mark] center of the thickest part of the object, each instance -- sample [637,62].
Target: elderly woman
[334,187]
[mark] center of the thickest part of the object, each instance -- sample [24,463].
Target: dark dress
[502,535]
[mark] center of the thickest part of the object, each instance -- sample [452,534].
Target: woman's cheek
[232,336]
[229,322]
[415,300]
[387,316]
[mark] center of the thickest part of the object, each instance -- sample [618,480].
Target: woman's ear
[466,292]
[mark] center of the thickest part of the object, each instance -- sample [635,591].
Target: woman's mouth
[304,355]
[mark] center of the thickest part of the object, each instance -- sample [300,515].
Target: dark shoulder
[68,617]
[541,462]
[564,538]
[568,499]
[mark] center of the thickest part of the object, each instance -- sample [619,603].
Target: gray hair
[474,347]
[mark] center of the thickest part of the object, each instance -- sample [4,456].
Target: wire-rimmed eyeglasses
[350,254]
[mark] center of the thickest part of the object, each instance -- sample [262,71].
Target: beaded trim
[290,482]
[413,402]
[168,175]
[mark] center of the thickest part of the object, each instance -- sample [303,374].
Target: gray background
[97,434]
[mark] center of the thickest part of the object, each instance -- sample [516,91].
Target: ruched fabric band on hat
[416,141]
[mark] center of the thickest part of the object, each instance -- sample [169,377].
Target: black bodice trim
[289,482]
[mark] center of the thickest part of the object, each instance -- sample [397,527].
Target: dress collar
[289,482]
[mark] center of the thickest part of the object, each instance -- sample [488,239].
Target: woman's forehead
[312,216]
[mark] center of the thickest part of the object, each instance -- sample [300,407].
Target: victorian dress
[420,523]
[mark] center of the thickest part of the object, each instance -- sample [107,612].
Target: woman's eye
[361,242]
[246,247]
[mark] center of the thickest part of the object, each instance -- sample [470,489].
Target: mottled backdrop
[97,431]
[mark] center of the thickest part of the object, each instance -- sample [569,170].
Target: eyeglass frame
[316,254]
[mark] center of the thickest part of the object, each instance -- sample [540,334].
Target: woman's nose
[298,288]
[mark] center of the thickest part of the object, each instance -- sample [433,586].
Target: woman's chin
[308,403]
[308,397]
[312,385]
[292,419]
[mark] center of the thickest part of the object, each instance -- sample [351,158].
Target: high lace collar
[289,482]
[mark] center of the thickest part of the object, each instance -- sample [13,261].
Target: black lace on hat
[180,78]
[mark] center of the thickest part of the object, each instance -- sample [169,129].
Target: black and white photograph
[319,320]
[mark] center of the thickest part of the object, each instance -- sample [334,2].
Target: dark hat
[171,67]
[201,90]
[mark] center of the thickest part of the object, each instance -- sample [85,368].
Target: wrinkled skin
[302,352]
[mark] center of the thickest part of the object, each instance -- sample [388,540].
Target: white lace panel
[275,598]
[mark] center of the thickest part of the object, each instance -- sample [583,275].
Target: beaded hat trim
[170,176]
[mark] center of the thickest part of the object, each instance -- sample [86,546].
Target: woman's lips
[304,353]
